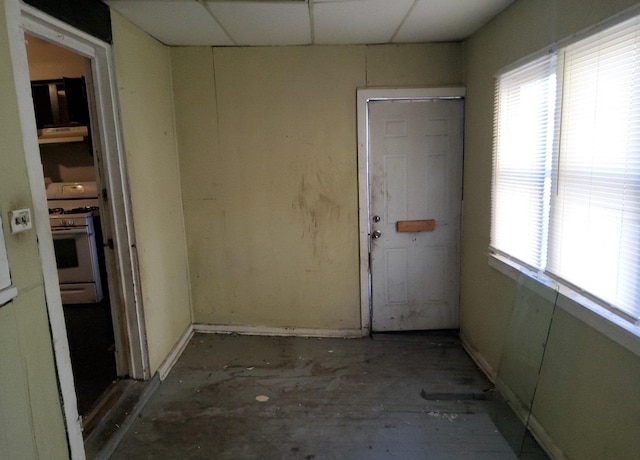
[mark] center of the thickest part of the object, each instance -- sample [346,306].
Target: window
[566,171]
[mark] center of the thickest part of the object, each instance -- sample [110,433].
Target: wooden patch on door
[428,225]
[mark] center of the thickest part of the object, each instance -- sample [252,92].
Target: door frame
[364,97]
[131,341]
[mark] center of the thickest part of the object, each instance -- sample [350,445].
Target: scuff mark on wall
[271,133]
[319,212]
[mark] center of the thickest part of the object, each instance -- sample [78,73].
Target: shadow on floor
[91,345]
[392,396]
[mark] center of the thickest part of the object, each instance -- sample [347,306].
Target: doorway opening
[99,155]
[71,180]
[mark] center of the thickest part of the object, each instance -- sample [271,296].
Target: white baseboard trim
[478,358]
[512,399]
[531,422]
[276,331]
[175,353]
[181,344]
[545,441]
[534,426]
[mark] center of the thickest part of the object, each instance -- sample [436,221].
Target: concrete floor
[393,396]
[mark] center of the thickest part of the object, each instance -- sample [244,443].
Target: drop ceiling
[307,22]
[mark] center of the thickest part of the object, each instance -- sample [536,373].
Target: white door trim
[364,96]
[22,18]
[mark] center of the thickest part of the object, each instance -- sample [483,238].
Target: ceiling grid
[307,22]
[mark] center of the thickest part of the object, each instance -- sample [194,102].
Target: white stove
[72,196]
[71,210]
[76,219]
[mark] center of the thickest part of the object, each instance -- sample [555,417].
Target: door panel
[415,173]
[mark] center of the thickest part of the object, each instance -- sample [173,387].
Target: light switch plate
[20,220]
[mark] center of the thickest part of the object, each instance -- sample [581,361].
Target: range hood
[62,134]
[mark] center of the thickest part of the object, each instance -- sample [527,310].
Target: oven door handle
[71,231]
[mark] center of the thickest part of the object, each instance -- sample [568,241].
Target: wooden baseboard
[533,425]
[276,331]
[545,441]
[478,358]
[175,353]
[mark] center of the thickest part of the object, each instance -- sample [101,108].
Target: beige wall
[31,422]
[267,173]
[586,399]
[268,157]
[426,64]
[143,73]
[48,61]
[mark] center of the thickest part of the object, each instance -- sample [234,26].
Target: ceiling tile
[436,20]
[286,22]
[181,22]
[357,21]
[264,23]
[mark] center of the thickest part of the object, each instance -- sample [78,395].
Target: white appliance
[62,134]
[71,210]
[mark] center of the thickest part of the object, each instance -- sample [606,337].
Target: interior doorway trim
[22,18]
[364,96]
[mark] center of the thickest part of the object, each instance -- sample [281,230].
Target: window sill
[7,295]
[604,321]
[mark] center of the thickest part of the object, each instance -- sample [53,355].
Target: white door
[415,185]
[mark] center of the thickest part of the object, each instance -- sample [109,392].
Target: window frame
[615,324]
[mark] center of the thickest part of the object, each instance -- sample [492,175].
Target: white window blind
[566,177]
[595,218]
[524,124]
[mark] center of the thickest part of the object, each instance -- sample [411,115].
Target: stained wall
[268,158]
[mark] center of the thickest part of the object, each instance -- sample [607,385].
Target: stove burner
[79,210]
